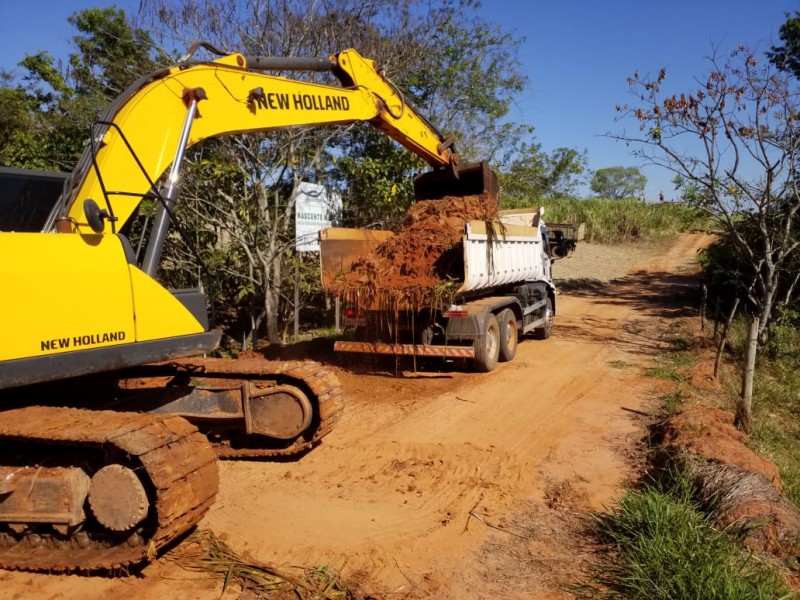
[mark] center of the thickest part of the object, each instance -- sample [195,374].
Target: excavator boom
[136,139]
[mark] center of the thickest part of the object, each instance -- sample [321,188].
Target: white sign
[315,209]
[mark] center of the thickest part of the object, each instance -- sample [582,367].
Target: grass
[676,360]
[616,221]
[672,401]
[660,544]
[679,343]
[776,409]
[664,548]
[665,372]
[619,364]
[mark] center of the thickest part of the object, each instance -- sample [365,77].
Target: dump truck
[500,290]
[111,414]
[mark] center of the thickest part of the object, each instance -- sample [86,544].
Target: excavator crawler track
[175,463]
[322,387]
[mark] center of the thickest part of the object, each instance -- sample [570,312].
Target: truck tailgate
[514,254]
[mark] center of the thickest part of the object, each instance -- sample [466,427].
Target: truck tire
[487,346]
[543,332]
[507,321]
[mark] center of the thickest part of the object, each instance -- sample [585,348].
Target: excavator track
[322,387]
[174,462]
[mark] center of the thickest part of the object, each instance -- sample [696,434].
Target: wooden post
[337,311]
[297,298]
[703,300]
[744,412]
[716,317]
[724,336]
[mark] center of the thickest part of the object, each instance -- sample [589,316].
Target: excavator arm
[155,120]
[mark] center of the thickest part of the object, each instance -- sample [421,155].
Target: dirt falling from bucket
[425,251]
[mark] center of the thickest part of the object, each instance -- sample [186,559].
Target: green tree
[48,113]
[20,145]
[618,182]
[786,57]
[111,53]
[742,168]
[534,175]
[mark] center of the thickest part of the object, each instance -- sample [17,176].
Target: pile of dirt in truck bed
[408,267]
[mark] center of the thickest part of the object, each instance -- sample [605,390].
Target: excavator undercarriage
[106,486]
[145,479]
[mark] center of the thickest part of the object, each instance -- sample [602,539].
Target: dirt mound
[410,265]
[710,433]
[740,489]
[771,527]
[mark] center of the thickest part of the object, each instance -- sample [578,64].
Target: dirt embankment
[442,483]
[739,488]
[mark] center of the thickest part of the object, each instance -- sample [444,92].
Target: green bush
[784,335]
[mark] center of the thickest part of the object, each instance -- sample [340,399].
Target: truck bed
[500,254]
[493,255]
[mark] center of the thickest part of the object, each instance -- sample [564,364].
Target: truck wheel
[508,334]
[543,332]
[487,346]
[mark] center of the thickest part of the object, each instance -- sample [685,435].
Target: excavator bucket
[471,179]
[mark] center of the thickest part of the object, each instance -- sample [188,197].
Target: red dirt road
[418,491]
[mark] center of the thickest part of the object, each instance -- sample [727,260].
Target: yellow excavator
[109,429]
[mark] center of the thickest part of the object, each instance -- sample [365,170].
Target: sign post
[315,209]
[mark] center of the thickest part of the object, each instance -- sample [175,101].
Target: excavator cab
[26,198]
[470,179]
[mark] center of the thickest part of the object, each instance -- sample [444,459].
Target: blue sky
[577,55]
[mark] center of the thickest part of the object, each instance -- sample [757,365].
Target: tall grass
[616,221]
[664,548]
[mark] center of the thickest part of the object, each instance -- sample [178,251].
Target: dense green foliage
[616,221]
[534,175]
[728,275]
[45,116]
[618,182]
[664,548]
[787,55]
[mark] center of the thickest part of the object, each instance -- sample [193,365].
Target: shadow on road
[657,295]
[665,295]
